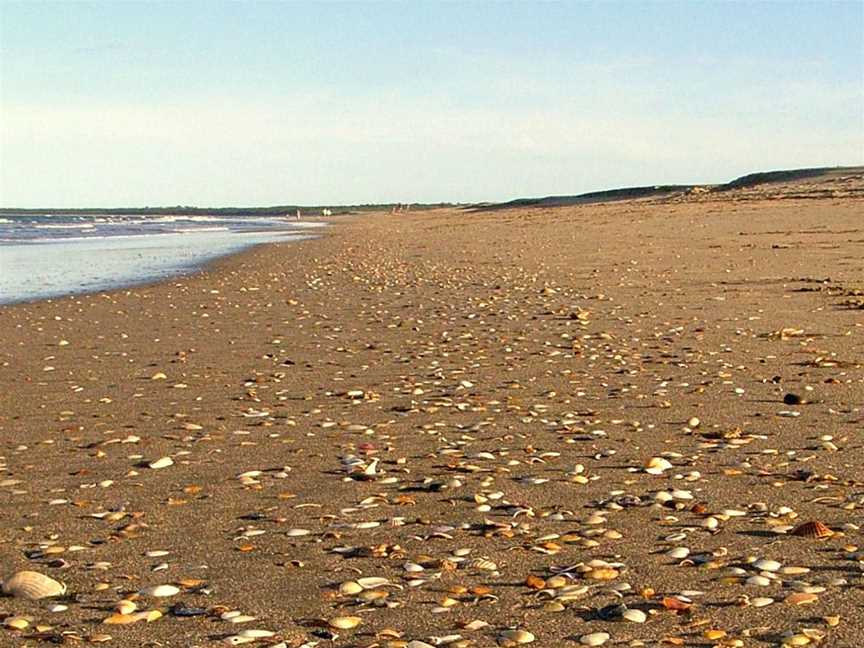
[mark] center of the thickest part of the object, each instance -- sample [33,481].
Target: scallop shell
[816,530]
[32,585]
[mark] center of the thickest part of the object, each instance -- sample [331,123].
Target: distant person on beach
[298,214]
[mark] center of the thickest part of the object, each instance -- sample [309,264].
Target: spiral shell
[32,585]
[816,530]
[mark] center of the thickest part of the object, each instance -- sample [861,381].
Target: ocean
[46,255]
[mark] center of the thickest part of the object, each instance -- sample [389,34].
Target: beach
[486,427]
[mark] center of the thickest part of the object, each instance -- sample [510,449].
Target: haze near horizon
[230,104]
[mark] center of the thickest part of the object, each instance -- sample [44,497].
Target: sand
[482,358]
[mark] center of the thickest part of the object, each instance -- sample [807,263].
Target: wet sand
[462,404]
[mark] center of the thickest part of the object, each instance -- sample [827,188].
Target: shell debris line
[626,424]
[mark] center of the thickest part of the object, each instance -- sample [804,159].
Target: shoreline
[167,273]
[481,360]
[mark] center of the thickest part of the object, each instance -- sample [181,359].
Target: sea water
[45,255]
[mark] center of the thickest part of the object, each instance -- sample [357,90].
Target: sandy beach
[456,428]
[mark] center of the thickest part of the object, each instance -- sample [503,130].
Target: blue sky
[210,103]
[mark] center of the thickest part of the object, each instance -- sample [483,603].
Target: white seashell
[371,582]
[296,533]
[635,616]
[759,581]
[761,601]
[256,634]
[32,585]
[162,462]
[678,553]
[594,639]
[655,466]
[734,513]
[763,564]
[160,591]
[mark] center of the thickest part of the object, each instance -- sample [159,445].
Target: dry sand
[511,373]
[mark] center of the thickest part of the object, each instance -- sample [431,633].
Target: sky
[122,103]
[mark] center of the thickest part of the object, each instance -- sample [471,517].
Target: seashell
[518,636]
[476,624]
[602,573]
[149,615]
[371,582]
[759,581]
[634,616]
[32,585]
[481,563]
[121,619]
[800,598]
[594,639]
[160,591]
[345,622]
[16,622]
[657,466]
[256,634]
[815,530]
[350,587]
[162,462]
[126,607]
[763,564]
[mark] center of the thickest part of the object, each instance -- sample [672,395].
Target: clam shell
[159,591]
[815,530]
[345,622]
[32,585]
[518,636]
[594,639]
